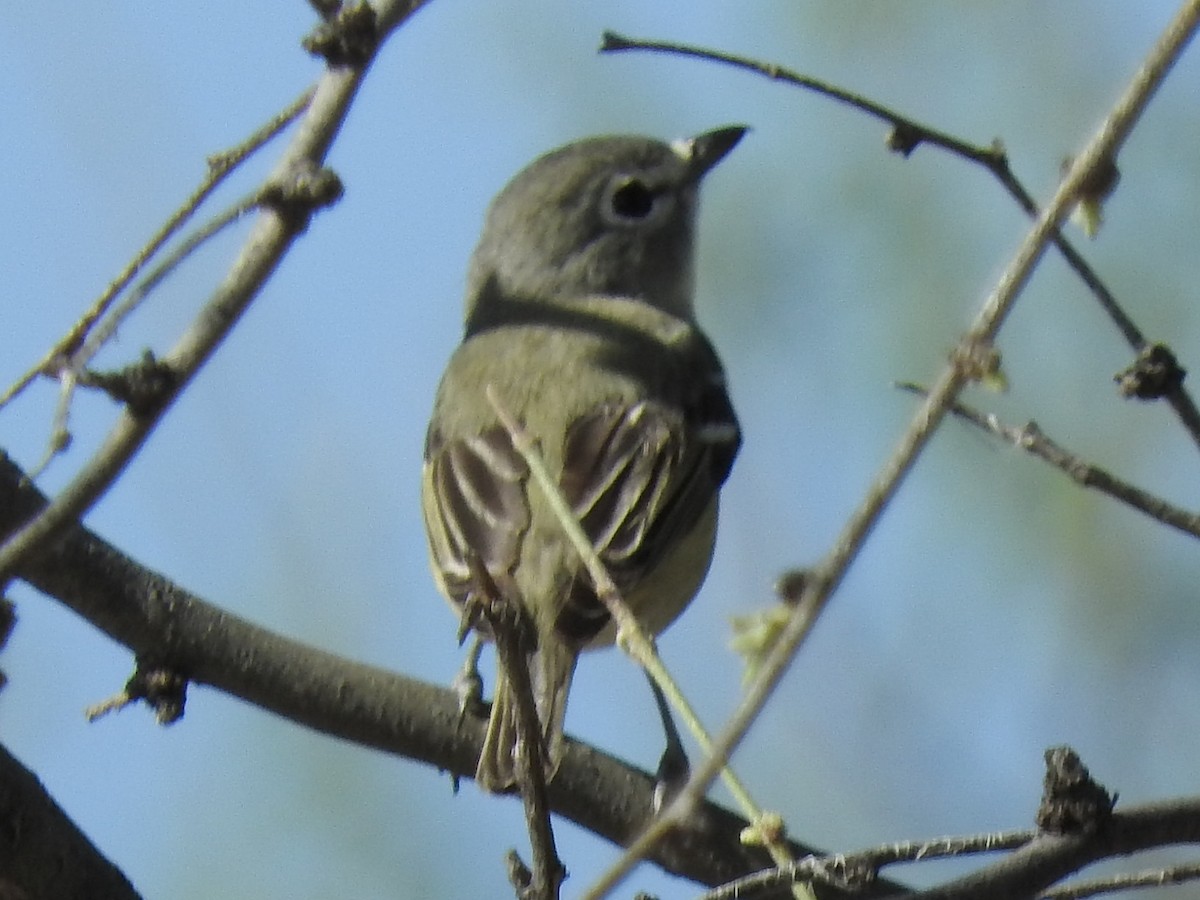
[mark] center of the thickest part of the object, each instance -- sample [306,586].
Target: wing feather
[475,504]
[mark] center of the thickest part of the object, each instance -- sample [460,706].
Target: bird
[580,325]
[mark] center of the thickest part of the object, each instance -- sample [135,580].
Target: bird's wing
[476,508]
[638,477]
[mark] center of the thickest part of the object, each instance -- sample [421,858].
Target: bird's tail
[551,667]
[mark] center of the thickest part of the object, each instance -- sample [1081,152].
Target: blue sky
[997,609]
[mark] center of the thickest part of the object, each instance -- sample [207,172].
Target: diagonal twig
[826,577]
[219,167]
[1030,438]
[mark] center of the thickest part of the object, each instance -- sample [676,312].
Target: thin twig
[938,848]
[851,871]
[809,869]
[1144,879]
[828,575]
[219,167]
[70,376]
[611,42]
[106,329]
[1030,438]
[906,135]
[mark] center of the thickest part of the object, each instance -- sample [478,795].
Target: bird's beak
[704,151]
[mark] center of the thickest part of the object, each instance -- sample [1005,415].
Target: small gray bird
[579,317]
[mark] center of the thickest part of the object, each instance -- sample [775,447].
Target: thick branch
[164,624]
[42,852]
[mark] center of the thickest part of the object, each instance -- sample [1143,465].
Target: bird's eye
[632,200]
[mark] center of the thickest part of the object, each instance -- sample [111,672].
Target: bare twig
[1076,827]
[219,167]
[107,328]
[913,132]
[1144,879]
[1030,438]
[938,848]
[71,373]
[855,870]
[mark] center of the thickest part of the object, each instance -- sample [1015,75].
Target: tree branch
[42,852]
[168,628]
[278,224]
[1030,438]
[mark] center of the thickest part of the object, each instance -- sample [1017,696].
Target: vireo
[579,316]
